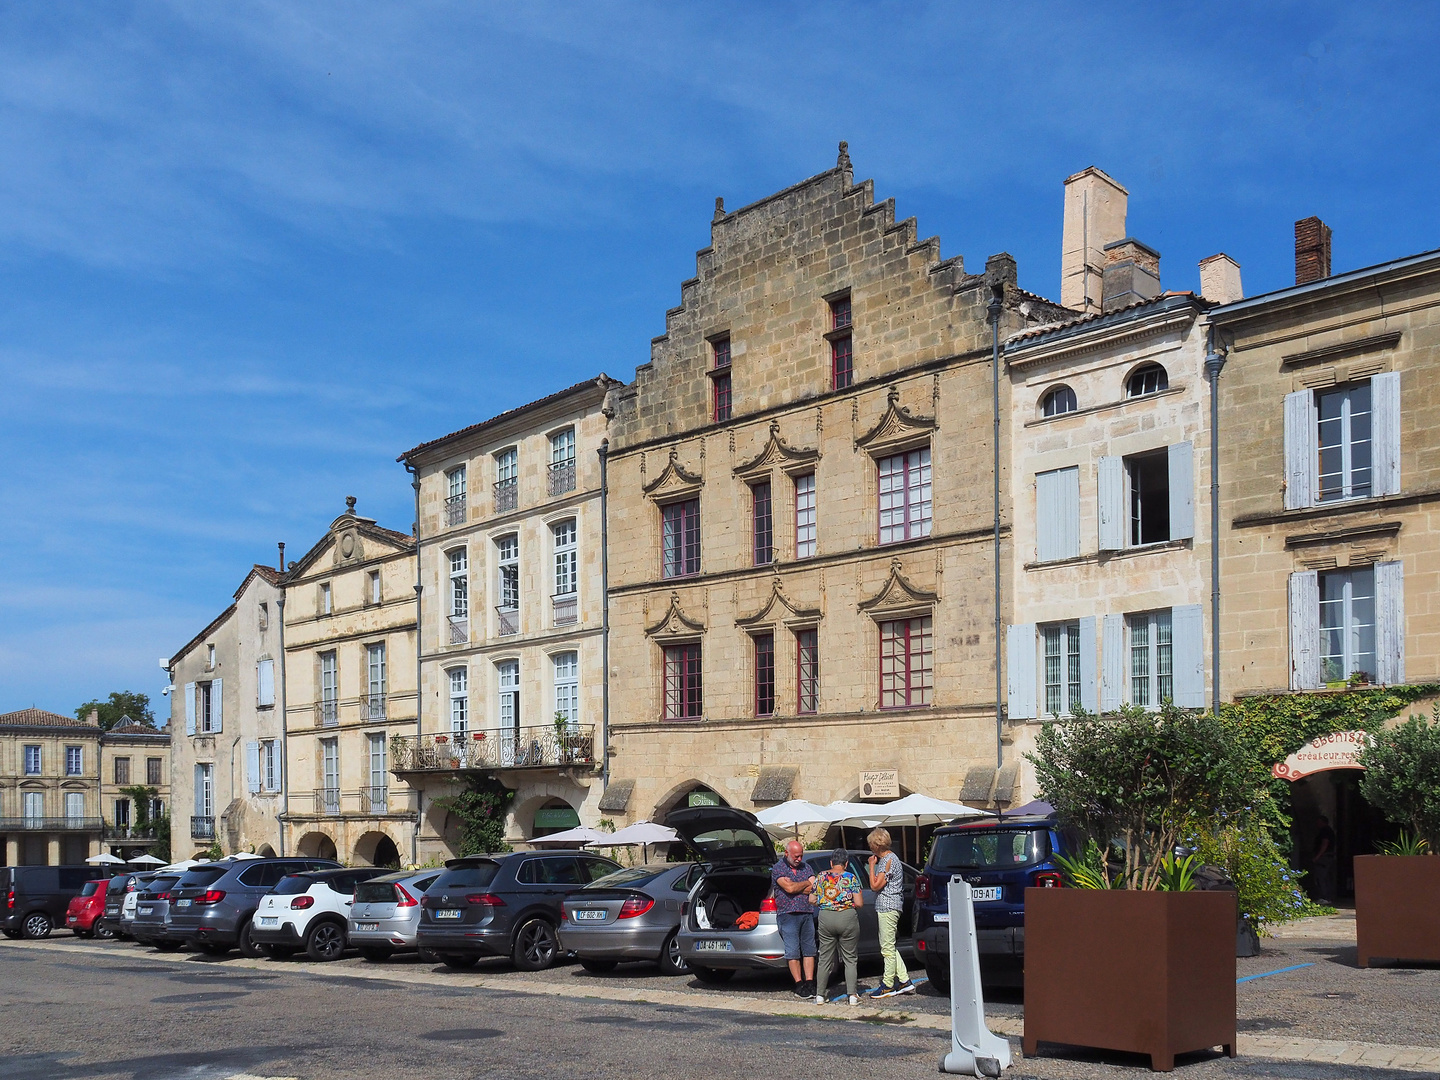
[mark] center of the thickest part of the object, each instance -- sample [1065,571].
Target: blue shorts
[797,931]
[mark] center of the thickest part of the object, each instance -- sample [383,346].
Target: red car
[87,909]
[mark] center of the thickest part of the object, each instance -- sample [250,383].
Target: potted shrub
[1131,957]
[1397,894]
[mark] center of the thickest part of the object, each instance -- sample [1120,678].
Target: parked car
[1000,859]
[504,905]
[386,916]
[632,914]
[137,885]
[213,905]
[737,855]
[151,922]
[33,899]
[85,914]
[309,911]
[120,886]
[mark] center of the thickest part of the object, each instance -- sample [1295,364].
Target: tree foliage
[120,704]
[1402,775]
[481,807]
[1143,781]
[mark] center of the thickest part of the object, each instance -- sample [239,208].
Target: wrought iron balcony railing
[51,824]
[455,510]
[459,629]
[372,706]
[567,609]
[542,747]
[509,619]
[561,477]
[330,800]
[507,495]
[202,828]
[327,713]
[374,800]
[130,832]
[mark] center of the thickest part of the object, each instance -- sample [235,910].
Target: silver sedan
[385,916]
[632,914]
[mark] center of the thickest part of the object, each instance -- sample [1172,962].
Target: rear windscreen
[990,849]
[293,885]
[467,877]
[201,876]
[90,889]
[160,884]
[631,878]
[375,892]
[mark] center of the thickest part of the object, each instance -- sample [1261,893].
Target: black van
[33,899]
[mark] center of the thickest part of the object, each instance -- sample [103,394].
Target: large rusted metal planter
[1145,972]
[1397,907]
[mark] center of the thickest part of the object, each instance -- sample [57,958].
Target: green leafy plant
[1177,874]
[1407,844]
[140,795]
[161,846]
[1267,889]
[1141,780]
[1402,775]
[1089,869]
[481,807]
[120,704]
[215,852]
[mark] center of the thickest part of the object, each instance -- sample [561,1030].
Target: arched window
[1059,401]
[1150,379]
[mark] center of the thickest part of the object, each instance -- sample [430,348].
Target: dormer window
[1150,379]
[1059,401]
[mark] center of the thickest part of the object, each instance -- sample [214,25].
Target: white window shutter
[1088,681]
[265,682]
[1390,623]
[252,767]
[1182,491]
[1111,503]
[1020,670]
[199,791]
[1304,630]
[217,697]
[189,704]
[1302,435]
[1057,514]
[1112,662]
[1385,432]
[1187,637]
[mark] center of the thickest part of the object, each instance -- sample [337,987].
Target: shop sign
[880,784]
[1337,750]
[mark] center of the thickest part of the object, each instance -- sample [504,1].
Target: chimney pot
[1095,206]
[281,566]
[1312,250]
[1220,279]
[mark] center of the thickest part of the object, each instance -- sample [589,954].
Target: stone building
[510,543]
[133,756]
[226,749]
[800,517]
[349,626]
[49,789]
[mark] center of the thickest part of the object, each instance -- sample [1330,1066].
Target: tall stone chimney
[1132,274]
[1095,206]
[1220,279]
[1312,250]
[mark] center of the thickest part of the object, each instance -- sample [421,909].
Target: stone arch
[317,845]
[534,793]
[265,851]
[377,848]
[678,797]
[523,811]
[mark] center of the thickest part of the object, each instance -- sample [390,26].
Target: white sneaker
[854,1000]
[819,999]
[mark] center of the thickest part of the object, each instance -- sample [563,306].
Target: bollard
[974,1049]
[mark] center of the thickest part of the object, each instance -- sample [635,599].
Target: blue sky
[251,252]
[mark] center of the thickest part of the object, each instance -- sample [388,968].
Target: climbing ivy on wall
[481,807]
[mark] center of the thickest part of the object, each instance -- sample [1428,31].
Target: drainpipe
[284,728]
[997,294]
[604,453]
[419,727]
[1214,362]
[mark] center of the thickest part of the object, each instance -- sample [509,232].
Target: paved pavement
[90,1009]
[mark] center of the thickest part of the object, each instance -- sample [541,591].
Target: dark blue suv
[1000,859]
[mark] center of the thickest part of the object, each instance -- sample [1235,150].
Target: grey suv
[504,905]
[212,905]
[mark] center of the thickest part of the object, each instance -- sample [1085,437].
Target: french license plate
[269,920]
[590,915]
[367,926]
[448,913]
[182,903]
[990,892]
[942,917]
[147,911]
[714,946]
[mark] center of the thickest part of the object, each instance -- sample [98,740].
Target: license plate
[446,913]
[714,946]
[182,903]
[147,911]
[367,926]
[269,920]
[990,892]
[943,917]
[589,915]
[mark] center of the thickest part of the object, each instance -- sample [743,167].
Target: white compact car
[309,911]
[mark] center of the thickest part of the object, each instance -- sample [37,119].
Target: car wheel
[428,956]
[37,925]
[102,930]
[457,962]
[671,962]
[246,942]
[377,956]
[168,946]
[713,976]
[325,941]
[939,977]
[535,945]
[598,967]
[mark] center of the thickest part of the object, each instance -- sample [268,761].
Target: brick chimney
[1312,250]
[1132,274]
[1220,279]
[1095,206]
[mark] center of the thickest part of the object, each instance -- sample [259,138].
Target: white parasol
[581,834]
[105,859]
[146,860]
[787,817]
[642,834]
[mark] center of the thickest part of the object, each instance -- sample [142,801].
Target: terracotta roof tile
[1079,320]
[133,727]
[41,718]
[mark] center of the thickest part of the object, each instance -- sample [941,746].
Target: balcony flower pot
[1144,972]
[1397,907]
[479,736]
[442,738]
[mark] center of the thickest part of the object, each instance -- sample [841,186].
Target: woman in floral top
[837,894]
